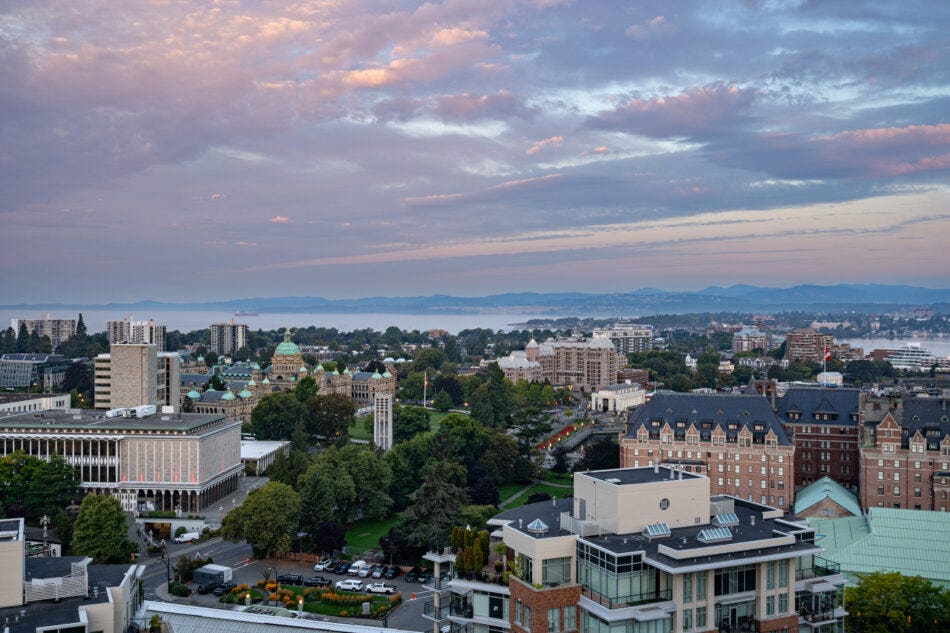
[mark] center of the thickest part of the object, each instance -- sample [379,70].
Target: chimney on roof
[672,475]
[752,520]
[656,467]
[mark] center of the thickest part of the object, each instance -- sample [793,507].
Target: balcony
[460,605]
[819,569]
[628,601]
[430,611]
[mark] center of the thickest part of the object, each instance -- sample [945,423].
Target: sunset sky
[207,150]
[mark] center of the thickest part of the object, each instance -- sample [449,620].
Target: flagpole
[425,388]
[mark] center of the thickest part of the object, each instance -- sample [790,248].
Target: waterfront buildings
[651,550]
[131,331]
[23,371]
[586,364]
[227,338]
[148,460]
[735,440]
[826,426]
[135,374]
[58,330]
[751,338]
[807,345]
[628,338]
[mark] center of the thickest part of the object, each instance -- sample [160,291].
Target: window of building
[700,585]
[738,579]
[770,605]
[518,612]
[687,619]
[700,617]
[783,573]
[782,603]
[527,568]
[554,620]
[570,618]
[916,492]
[527,617]
[897,490]
[770,575]
[687,587]
[556,571]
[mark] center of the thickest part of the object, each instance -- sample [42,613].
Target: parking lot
[407,616]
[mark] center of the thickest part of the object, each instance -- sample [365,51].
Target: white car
[356,567]
[379,587]
[322,565]
[350,584]
[365,571]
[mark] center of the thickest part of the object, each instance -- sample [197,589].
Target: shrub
[181,530]
[179,589]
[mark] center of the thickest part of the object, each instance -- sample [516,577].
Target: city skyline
[214,150]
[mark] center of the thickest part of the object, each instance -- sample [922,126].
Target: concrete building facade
[736,441]
[617,398]
[227,338]
[585,364]
[58,330]
[628,338]
[131,375]
[142,332]
[155,462]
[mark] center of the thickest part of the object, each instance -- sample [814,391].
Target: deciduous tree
[266,520]
[100,531]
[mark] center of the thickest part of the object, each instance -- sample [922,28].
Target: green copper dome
[302,370]
[386,374]
[346,371]
[245,394]
[228,395]
[251,383]
[266,381]
[288,347]
[319,368]
[194,395]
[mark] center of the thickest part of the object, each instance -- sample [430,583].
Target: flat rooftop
[548,512]
[255,449]
[647,475]
[6,398]
[93,420]
[48,613]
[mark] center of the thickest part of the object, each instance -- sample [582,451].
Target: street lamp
[168,571]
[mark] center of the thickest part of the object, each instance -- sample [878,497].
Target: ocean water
[188,320]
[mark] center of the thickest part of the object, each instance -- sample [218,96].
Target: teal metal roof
[912,542]
[826,488]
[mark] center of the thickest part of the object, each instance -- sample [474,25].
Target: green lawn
[558,478]
[554,491]
[358,430]
[504,492]
[364,535]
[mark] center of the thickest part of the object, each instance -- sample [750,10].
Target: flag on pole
[827,354]
[425,379]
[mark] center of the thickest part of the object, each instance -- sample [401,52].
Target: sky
[182,151]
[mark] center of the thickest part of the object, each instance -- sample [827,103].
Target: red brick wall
[777,624]
[540,600]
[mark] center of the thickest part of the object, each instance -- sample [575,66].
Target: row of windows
[699,455]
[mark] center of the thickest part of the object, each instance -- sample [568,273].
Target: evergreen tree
[22,340]
[80,327]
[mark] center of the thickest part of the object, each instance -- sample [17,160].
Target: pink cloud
[552,142]
[651,28]
[603,149]
[279,219]
[468,107]
[706,110]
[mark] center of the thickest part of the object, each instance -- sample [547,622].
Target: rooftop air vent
[726,519]
[612,480]
[538,526]
[714,535]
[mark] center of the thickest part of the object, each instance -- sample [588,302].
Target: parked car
[350,584]
[323,565]
[365,572]
[379,571]
[413,574]
[379,587]
[188,537]
[220,590]
[208,587]
[342,567]
[391,572]
[355,567]
[426,577]
[290,579]
[317,581]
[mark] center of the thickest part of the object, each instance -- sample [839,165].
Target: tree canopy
[275,416]
[266,520]
[887,602]
[100,531]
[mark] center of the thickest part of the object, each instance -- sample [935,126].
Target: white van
[188,537]
[355,567]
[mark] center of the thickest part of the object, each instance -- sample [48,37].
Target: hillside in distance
[639,302]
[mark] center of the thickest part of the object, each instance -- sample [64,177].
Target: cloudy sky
[204,150]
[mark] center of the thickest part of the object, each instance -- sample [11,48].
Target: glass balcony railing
[819,568]
[430,611]
[628,601]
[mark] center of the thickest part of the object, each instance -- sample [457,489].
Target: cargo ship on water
[245,313]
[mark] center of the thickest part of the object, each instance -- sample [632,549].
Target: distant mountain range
[640,302]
